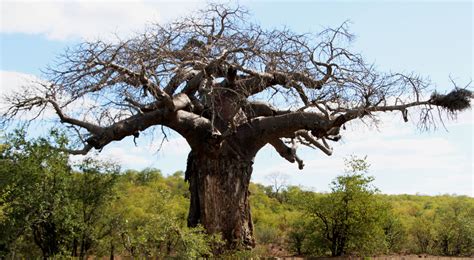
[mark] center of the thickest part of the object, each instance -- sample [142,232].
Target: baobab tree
[229,87]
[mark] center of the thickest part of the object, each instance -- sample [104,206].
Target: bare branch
[212,78]
[285,151]
[323,147]
[93,129]
[83,151]
[289,153]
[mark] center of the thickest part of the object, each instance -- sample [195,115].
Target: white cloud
[403,159]
[61,20]
[171,158]
[126,154]
[12,81]
[176,146]
[130,156]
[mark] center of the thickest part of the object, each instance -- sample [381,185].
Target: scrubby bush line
[52,207]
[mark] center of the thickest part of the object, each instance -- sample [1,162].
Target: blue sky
[431,38]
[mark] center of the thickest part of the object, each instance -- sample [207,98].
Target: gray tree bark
[220,196]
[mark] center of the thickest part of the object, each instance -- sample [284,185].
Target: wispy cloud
[14,83]
[170,158]
[403,159]
[11,81]
[176,146]
[61,20]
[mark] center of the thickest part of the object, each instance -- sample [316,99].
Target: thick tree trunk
[220,197]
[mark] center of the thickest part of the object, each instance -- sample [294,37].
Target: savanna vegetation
[229,87]
[50,206]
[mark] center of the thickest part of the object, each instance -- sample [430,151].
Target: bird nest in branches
[457,100]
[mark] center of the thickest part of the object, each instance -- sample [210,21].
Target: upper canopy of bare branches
[211,77]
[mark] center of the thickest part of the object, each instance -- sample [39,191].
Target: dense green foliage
[350,218]
[355,219]
[52,207]
[36,201]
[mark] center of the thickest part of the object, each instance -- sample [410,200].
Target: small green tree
[422,231]
[349,220]
[146,218]
[395,234]
[35,201]
[454,227]
[93,188]
[297,235]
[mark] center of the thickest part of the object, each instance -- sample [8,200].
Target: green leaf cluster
[51,207]
[355,219]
